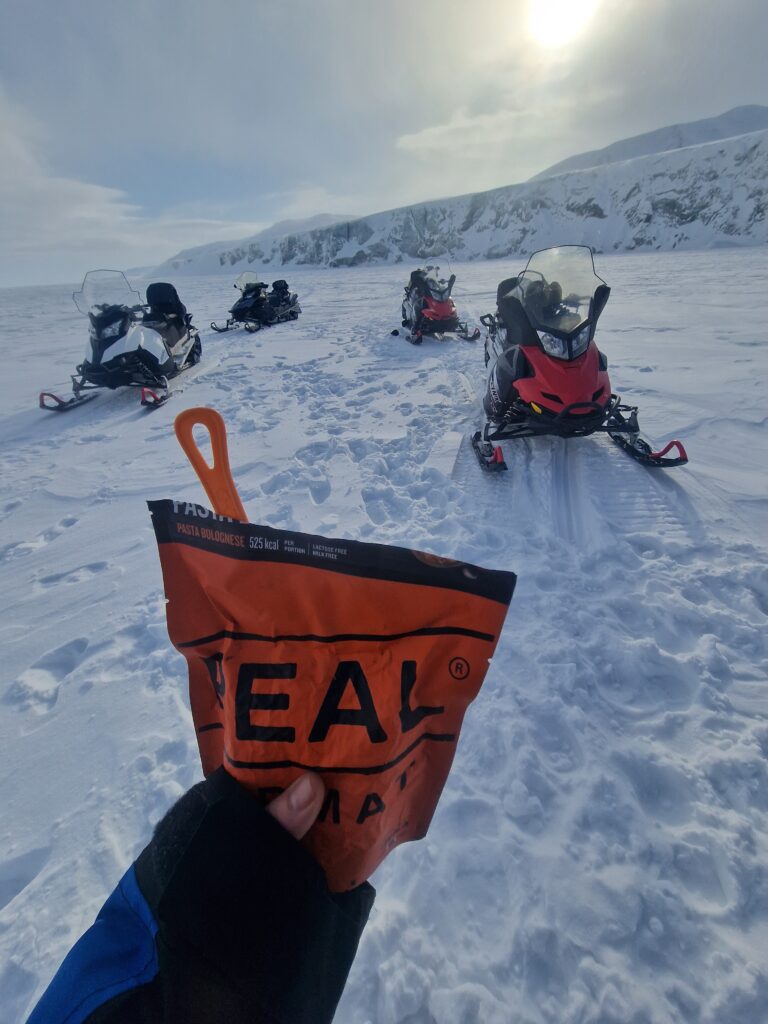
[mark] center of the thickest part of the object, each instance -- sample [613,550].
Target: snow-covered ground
[600,853]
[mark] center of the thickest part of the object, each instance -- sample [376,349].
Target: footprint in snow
[17,873]
[9,507]
[76,575]
[379,504]
[279,482]
[470,815]
[94,438]
[319,489]
[17,985]
[16,549]
[663,791]
[37,688]
[316,452]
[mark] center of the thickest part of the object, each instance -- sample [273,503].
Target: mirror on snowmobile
[102,288]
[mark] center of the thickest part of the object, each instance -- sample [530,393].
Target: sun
[555,23]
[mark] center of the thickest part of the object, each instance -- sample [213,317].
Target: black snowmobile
[429,309]
[548,376]
[257,308]
[130,344]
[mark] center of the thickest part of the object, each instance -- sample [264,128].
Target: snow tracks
[599,853]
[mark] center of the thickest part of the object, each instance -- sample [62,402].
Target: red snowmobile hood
[577,380]
[434,310]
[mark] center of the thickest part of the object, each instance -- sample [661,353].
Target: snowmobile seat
[513,317]
[553,297]
[418,282]
[280,293]
[164,303]
[504,288]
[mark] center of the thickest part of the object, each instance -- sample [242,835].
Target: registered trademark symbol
[459,668]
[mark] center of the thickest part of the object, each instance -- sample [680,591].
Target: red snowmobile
[548,375]
[429,309]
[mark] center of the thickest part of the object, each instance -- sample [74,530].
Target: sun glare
[555,23]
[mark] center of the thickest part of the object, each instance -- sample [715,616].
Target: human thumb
[297,808]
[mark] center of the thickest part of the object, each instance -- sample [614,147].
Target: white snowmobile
[130,344]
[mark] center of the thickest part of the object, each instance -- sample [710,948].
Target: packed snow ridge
[698,197]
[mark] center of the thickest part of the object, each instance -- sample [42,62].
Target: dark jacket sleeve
[223,917]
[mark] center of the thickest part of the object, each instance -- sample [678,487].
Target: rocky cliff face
[695,198]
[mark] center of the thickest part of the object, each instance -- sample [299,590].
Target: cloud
[503,146]
[162,127]
[307,200]
[53,228]
[463,129]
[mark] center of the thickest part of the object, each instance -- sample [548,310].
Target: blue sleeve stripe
[116,954]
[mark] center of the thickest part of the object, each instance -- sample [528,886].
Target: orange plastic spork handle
[216,479]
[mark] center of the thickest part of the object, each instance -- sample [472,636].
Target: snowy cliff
[191,260]
[738,121]
[698,197]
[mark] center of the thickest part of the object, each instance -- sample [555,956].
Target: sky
[131,131]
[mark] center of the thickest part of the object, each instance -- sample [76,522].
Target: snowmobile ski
[65,404]
[155,395]
[490,456]
[152,398]
[465,334]
[415,337]
[642,452]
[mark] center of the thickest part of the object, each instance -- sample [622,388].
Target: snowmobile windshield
[557,288]
[103,288]
[438,287]
[246,280]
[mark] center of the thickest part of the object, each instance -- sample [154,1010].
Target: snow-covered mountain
[738,121]
[203,259]
[698,197]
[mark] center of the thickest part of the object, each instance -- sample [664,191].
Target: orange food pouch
[353,660]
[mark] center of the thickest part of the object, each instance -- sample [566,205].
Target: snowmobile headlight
[580,342]
[556,347]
